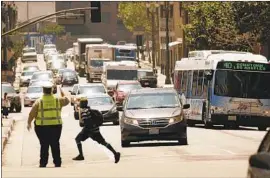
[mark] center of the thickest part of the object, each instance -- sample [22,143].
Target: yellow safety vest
[49,111]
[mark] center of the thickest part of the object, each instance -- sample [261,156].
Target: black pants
[85,134]
[49,136]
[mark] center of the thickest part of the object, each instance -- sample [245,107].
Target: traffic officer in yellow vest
[48,124]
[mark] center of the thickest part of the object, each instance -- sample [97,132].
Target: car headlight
[175,119]
[131,121]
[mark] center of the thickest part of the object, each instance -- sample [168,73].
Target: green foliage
[253,17]
[212,26]
[133,15]
[52,29]
[18,48]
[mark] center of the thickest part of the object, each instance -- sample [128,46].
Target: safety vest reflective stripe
[48,119]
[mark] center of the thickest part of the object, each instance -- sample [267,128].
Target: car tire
[125,143]
[115,122]
[262,128]
[25,105]
[183,141]
[18,108]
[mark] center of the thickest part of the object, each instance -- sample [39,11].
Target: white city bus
[229,89]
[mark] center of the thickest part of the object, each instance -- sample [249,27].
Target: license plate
[154,131]
[146,83]
[232,118]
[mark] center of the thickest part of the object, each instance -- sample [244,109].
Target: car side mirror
[17,91]
[71,92]
[186,106]
[119,108]
[260,160]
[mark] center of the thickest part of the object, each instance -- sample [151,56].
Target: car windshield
[31,68]
[91,89]
[27,73]
[121,58]
[42,76]
[128,87]
[29,50]
[7,89]
[242,84]
[100,101]
[34,90]
[122,74]
[153,100]
[145,73]
[97,63]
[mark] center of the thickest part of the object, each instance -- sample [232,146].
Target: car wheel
[183,141]
[115,122]
[262,128]
[25,105]
[125,143]
[18,108]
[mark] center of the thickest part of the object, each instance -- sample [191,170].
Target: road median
[7,128]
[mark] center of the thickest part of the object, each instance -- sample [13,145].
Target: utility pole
[167,80]
[153,42]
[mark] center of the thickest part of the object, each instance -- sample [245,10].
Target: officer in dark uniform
[90,130]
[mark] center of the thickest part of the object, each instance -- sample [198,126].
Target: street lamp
[153,11]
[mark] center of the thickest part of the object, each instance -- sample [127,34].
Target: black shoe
[58,165]
[117,157]
[78,158]
[42,165]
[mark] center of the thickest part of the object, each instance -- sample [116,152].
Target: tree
[133,15]
[254,18]
[52,29]
[212,26]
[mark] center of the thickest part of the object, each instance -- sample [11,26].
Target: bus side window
[200,83]
[189,84]
[205,86]
[184,82]
[194,83]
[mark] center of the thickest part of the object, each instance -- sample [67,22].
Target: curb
[6,135]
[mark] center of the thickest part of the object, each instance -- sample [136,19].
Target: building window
[106,17]
[163,11]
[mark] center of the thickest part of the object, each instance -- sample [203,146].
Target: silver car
[153,114]
[26,77]
[32,94]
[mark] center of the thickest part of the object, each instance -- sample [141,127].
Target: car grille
[157,122]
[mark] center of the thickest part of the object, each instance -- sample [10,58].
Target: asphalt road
[210,153]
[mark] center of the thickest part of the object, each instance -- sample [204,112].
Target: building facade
[111,28]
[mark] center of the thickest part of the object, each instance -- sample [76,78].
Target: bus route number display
[244,66]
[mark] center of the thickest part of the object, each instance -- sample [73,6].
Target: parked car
[26,77]
[153,114]
[122,89]
[32,57]
[103,103]
[13,96]
[147,78]
[86,89]
[32,94]
[69,78]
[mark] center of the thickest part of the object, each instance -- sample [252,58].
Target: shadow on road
[155,144]
[221,127]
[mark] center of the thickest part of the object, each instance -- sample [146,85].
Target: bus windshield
[96,63]
[122,74]
[242,84]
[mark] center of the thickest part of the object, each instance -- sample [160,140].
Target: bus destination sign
[244,66]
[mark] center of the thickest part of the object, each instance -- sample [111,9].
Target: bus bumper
[243,120]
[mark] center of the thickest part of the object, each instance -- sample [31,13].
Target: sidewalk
[7,128]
